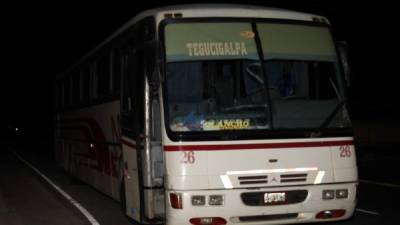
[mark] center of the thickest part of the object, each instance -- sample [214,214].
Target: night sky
[40,40]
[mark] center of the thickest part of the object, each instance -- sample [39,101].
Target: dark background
[40,40]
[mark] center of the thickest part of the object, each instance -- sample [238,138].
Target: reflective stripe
[255,146]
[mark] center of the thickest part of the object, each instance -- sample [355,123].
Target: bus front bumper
[313,208]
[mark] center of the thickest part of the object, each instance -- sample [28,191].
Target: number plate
[277,197]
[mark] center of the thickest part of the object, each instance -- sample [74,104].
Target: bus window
[75,88]
[116,70]
[103,74]
[67,92]
[128,98]
[94,81]
[85,84]
[302,75]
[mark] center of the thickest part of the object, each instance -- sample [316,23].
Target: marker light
[328,194]
[342,193]
[216,200]
[198,200]
[176,200]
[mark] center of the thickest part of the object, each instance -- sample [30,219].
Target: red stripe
[255,146]
[128,143]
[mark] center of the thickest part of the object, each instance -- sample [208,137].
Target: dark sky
[42,39]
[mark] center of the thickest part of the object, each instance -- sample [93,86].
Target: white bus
[213,114]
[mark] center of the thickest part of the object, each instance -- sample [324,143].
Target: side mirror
[343,57]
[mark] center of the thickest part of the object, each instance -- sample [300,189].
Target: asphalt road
[26,199]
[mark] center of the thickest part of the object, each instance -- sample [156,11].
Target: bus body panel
[130,179]
[89,145]
[345,165]
[234,207]
[91,135]
[208,169]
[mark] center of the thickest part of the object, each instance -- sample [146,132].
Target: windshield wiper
[328,120]
[332,115]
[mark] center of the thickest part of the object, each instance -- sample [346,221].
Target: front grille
[297,177]
[268,217]
[253,180]
[257,198]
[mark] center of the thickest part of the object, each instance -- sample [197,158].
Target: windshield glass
[216,81]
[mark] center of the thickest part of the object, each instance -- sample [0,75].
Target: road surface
[27,199]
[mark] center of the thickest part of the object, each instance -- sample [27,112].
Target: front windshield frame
[247,134]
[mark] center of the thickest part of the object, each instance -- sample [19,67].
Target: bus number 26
[345,151]
[188,157]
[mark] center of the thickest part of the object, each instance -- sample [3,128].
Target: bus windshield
[215,79]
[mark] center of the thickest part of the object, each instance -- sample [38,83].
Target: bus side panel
[88,146]
[131,179]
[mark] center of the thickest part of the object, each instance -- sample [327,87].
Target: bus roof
[224,10]
[218,10]
[208,10]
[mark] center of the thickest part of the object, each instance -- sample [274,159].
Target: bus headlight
[216,200]
[198,200]
[342,193]
[328,194]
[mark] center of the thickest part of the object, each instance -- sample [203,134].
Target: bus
[213,114]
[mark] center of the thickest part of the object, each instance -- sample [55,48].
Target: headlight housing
[198,200]
[328,194]
[216,200]
[342,193]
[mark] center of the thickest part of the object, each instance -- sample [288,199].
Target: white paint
[368,212]
[272,171]
[319,177]
[84,211]
[226,181]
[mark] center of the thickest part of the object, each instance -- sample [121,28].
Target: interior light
[178,15]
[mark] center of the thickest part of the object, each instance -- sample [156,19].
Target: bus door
[132,130]
[141,135]
[152,154]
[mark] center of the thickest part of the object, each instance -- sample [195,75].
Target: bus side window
[127,93]
[103,73]
[94,80]
[66,92]
[116,64]
[58,95]
[85,84]
[75,88]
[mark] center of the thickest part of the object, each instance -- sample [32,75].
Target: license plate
[276,197]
